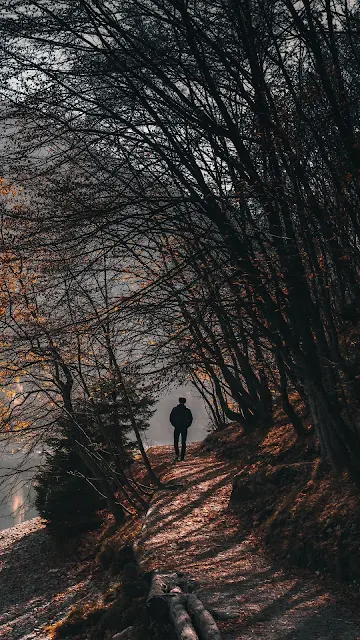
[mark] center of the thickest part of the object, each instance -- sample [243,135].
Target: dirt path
[37,585]
[190,530]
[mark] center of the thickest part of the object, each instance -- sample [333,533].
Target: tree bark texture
[204,623]
[181,620]
[159,594]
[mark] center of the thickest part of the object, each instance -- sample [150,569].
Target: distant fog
[161,431]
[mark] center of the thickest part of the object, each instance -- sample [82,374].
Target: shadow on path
[36,585]
[191,530]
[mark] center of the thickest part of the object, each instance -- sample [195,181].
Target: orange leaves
[10,393]
[7,189]
[22,425]
[202,375]
[4,414]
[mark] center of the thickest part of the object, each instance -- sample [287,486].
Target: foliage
[64,497]
[105,416]
[205,157]
[69,493]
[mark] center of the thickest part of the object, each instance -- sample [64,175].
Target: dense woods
[186,203]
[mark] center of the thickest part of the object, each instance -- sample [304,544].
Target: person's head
[182,400]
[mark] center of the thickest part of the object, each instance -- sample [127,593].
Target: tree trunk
[339,443]
[114,507]
[159,594]
[204,623]
[120,379]
[180,618]
[287,406]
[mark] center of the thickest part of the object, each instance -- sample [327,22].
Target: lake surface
[16,487]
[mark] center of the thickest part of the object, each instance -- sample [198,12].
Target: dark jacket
[181,417]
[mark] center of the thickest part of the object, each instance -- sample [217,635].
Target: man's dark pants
[180,431]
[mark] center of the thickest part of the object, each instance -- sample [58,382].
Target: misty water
[16,486]
[17,470]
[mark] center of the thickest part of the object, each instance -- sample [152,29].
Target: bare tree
[239,118]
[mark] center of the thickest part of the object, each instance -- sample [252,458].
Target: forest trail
[191,530]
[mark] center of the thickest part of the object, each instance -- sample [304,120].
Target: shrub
[64,497]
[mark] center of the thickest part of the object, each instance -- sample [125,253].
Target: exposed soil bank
[293,504]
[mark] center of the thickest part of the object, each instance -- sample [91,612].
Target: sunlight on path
[191,530]
[38,586]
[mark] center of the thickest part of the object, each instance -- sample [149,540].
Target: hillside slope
[227,535]
[291,500]
[192,530]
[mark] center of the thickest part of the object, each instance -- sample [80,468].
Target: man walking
[181,419]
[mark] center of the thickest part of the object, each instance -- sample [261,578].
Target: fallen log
[219,614]
[204,623]
[180,618]
[160,594]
